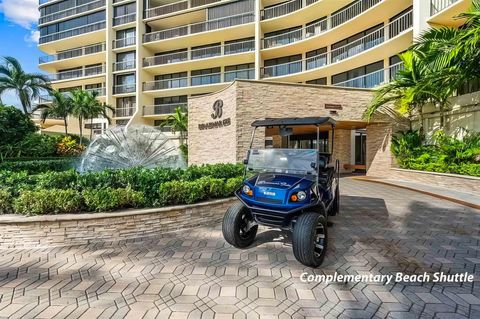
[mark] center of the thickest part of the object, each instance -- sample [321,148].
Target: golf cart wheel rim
[244,230]
[319,240]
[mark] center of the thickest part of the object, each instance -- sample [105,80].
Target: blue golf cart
[294,189]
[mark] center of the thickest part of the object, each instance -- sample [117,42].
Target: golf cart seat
[327,170]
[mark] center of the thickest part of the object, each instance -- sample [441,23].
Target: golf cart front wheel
[238,228]
[309,239]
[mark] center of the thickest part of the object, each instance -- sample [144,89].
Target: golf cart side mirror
[313,165]
[245,161]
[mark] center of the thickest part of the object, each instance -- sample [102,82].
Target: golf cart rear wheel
[237,226]
[309,239]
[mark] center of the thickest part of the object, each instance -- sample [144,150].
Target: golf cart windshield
[290,161]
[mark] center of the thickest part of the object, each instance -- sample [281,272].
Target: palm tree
[81,106]
[403,95]
[61,107]
[27,86]
[97,109]
[178,122]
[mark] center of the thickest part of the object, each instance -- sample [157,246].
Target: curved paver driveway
[194,274]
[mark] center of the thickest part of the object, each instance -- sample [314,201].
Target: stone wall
[78,229]
[460,183]
[379,157]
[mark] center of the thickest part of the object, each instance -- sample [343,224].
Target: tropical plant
[14,125]
[61,107]
[178,122]
[27,86]
[97,109]
[80,108]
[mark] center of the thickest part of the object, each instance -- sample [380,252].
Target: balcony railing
[125,42]
[201,53]
[79,73]
[320,26]
[163,109]
[284,8]
[73,53]
[124,65]
[197,80]
[363,44]
[49,99]
[372,79]
[124,88]
[199,27]
[40,2]
[71,11]
[175,7]
[124,19]
[438,5]
[124,111]
[72,32]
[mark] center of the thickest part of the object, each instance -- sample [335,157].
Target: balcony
[128,18]
[124,66]
[125,42]
[71,11]
[199,27]
[124,112]
[201,53]
[73,53]
[163,109]
[45,99]
[284,8]
[79,73]
[374,39]
[175,7]
[199,80]
[319,27]
[438,5]
[72,32]
[372,79]
[124,89]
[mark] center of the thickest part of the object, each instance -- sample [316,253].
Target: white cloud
[32,37]
[22,12]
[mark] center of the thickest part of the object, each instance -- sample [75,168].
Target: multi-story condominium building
[147,57]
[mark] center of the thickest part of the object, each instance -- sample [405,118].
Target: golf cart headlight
[247,190]
[301,196]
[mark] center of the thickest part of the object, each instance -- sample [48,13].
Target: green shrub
[181,192]
[14,126]
[108,199]
[48,201]
[39,166]
[232,184]
[5,202]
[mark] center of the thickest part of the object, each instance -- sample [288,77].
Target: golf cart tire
[231,226]
[303,239]
[335,209]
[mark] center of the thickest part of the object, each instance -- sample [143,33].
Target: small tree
[81,108]
[178,121]
[97,109]
[60,107]
[14,125]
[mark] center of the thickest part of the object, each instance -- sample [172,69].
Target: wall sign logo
[217,109]
[216,115]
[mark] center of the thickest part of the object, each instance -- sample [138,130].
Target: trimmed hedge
[115,189]
[39,166]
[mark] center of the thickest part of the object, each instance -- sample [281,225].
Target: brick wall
[78,229]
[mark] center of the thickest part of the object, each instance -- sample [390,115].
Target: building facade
[147,57]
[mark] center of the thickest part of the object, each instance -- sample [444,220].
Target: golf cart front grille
[269,219]
[269,200]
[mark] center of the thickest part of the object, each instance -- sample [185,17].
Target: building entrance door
[360,147]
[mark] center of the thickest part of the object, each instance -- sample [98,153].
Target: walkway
[194,274]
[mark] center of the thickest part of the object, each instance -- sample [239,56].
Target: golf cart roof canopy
[294,121]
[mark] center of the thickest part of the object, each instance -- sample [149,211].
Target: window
[70,89]
[364,77]
[206,76]
[124,34]
[240,71]
[282,37]
[126,56]
[73,23]
[121,122]
[171,100]
[61,6]
[124,10]
[238,46]
[206,51]
[170,76]
[316,58]
[93,86]
[353,45]
[125,106]
[125,83]
[320,81]
[283,66]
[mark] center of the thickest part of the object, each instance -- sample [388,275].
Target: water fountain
[135,146]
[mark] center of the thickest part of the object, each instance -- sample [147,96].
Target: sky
[19,36]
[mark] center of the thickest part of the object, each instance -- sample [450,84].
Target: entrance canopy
[294,121]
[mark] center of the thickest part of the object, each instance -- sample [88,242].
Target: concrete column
[421,13]
[258,39]
[110,57]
